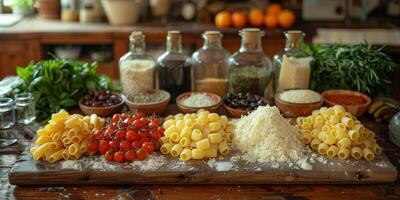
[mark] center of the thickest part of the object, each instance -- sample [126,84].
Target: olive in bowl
[242,103]
[102,103]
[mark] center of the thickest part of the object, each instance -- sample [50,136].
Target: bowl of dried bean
[149,102]
[102,103]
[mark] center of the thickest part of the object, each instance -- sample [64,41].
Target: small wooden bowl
[289,109]
[356,110]
[185,109]
[102,111]
[236,113]
[150,108]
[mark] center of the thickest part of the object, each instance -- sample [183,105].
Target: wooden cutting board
[161,169]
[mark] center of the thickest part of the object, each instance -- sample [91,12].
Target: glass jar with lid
[292,65]
[174,67]
[24,108]
[7,113]
[137,69]
[250,69]
[210,65]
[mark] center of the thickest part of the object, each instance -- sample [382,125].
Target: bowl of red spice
[355,103]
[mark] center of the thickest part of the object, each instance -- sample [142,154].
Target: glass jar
[292,65]
[7,113]
[250,69]
[174,67]
[137,69]
[24,108]
[210,65]
[69,10]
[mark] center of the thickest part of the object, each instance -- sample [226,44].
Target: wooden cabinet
[12,54]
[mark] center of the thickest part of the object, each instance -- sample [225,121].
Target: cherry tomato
[109,130]
[136,144]
[93,146]
[121,134]
[109,155]
[103,146]
[138,124]
[137,116]
[148,146]
[124,116]
[128,120]
[131,135]
[114,144]
[141,154]
[115,117]
[155,134]
[156,144]
[98,134]
[143,134]
[125,145]
[130,155]
[144,120]
[161,130]
[119,157]
[153,125]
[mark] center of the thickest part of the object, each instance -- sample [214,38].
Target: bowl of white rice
[298,102]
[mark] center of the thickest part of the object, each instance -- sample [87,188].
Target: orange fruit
[239,19]
[223,19]
[273,9]
[286,18]
[271,21]
[256,17]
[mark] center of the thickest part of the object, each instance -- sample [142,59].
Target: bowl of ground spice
[148,102]
[355,103]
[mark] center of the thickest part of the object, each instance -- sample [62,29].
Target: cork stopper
[212,36]
[251,35]
[294,35]
[136,35]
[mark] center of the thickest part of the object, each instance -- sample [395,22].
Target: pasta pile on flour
[264,135]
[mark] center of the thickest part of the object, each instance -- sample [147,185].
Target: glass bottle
[292,65]
[210,65]
[250,69]
[24,108]
[7,113]
[137,69]
[174,67]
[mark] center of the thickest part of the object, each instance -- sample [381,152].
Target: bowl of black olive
[101,103]
[242,103]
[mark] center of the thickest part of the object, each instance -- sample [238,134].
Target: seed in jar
[101,99]
[148,97]
[244,101]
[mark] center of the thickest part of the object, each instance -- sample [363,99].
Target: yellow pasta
[203,144]
[332,151]
[176,150]
[315,143]
[185,142]
[223,148]
[215,138]
[322,148]
[376,149]
[212,152]
[197,154]
[186,154]
[41,150]
[306,138]
[368,154]
[56,156]
[356,153]
[348,121]
[343,153]
[196,135]
[354,135]
[166,148]
[43,140]
[344,143]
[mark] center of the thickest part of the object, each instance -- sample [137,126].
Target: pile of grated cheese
[264,136]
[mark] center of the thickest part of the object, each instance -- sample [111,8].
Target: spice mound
[264,135]
[148,96]
[346,99]
[300,96]
[101,99]
[198,100]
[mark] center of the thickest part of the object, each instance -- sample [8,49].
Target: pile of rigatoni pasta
[65,136]
[335,132]
[197,135]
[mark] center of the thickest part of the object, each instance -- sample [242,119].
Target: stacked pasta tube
[335,132]
[196,136]
[65,136]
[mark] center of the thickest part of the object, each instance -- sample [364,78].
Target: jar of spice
[292,65]
[137,69]
[174,67]
[69,10]
[210,65]
[250,69]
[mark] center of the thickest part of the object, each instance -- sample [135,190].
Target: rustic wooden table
[9,155]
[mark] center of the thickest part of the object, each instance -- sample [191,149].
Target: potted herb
[22,7]
[48,9]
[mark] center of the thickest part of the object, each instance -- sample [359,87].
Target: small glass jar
[250,69]
[174,67]
[7,113]
[292,65]
[137,69]
[24,108]
[211,64]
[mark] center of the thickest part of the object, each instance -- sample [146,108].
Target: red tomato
[137,116]
[143,134]
[136,144]
[109,130]
[137,124]
[103,146]
[156,144]
[109,155]
[98,134]
[115,117]
[124,116]
[144,120]
[93,147]
[148,146]
[132,135]
[161,130]
[154,124]
[128,120]
[155,134]
[121,134]
[141,154]
[114,144]
[125,145]
[119,157]
[130,155]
